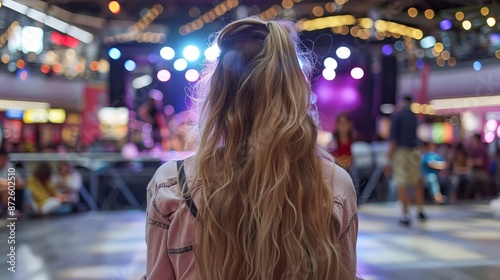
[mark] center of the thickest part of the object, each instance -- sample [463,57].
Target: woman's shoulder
[339,179]
[163,193]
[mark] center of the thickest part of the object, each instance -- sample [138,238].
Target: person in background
[68,181]
[5,165]
[404,155]
[461,168]
[432,165]
[343,137]
[151,112]
[480,168]
[46,198]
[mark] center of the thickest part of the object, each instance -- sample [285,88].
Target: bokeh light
[192,75]
[330,63]
[167,53]
[491,125]
[212,53]
[22,74]
[45,69]
[429,14]
[180,64]
[20,63]
[357,73]
[114,7]
[477,65]
[467,25]
[168,110]
[491,21]
[191,53]
[5,58]
[412,12]
[153,58]
[114,53]
[489,137]
[428,42]
[94,66]
[130,65]
[387,49]
[445,24]
[343,52]
[163,75]
[329,74]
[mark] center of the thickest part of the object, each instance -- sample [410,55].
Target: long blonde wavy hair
[265,211]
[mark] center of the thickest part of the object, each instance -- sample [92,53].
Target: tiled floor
[458,242]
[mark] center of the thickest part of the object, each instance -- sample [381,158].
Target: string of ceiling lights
[136,31]
[208,17]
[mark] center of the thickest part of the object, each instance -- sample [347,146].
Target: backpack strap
[185,189]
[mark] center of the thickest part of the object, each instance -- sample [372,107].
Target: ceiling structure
[96,15]
[166,21]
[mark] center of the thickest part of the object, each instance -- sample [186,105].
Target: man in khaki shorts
[405,156]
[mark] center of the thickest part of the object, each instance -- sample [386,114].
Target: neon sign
[64,40]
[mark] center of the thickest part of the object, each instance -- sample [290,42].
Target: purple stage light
[491,125]
[387,49]
[420,64]
[445,24]
[153,58]
[489,137]
[169,110]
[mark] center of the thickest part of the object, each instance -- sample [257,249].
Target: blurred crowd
[49,189]
[463,170]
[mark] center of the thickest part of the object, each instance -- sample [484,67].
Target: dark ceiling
[176,11]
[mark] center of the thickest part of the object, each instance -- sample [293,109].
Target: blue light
[420,64]
[14,114]
[114,53]
[428,42]
[180,64]
[387,49]
[130,65]
[399,46]
[445,24]
[477,65]
[22,74]
[446,42]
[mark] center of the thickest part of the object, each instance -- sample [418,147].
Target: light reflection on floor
[459,242]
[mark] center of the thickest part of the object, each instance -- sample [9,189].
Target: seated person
[47,200]
[432,164]
[67,181]
[6,182]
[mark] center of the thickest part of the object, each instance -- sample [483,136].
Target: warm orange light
[57,68]
[412,12]
[5,58]
[79,67]
[114,7]
[20,63]
[45,69]
[94,66]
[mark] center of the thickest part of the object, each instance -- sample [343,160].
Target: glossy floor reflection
[459,242]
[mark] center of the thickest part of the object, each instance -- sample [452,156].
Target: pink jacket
[170,224]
